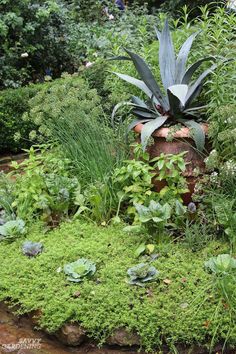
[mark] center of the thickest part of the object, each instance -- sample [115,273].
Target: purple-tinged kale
[32,249]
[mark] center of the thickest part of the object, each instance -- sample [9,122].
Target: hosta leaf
[148,78]
[194,88]
[183,56]
[136,82]
[187,77]
[166,56]
[197,132]
[149,128]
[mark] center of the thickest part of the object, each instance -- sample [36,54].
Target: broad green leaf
[148,78]
[141,248]
[182,57]
[149,128]
[150,248]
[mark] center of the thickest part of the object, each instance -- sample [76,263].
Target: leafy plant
[141,273]
[12,229]
[32,249]
[78,270]
[41,193]
[157,216]
[170,168]
[222,264]
[176,106]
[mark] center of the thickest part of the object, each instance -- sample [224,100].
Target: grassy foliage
[161,311]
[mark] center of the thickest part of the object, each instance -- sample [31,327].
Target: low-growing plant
[12,230]
[141,274]
[137,176]
[158,216]
[46,188]
[80,269]
[222,264]
[32,249]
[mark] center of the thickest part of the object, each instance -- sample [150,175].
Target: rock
[71,334]
[123,337]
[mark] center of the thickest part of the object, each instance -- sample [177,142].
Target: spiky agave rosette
[176,105]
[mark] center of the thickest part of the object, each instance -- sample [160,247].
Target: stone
[123,337]
[71,334]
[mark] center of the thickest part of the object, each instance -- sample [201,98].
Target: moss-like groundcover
[180,306]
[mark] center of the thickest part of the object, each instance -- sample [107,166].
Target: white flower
[111,17]
[24,55]
[88,64]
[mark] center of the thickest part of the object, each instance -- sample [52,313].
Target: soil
[14,330]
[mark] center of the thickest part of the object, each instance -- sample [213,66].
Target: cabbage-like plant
[32,249]
[222,264]
[175,106]
[141,273]
[12,229]
[78,270]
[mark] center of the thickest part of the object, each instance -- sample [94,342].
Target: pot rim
[163,132]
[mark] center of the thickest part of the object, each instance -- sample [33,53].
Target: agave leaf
[197,131]
[158,33]
[148,78]
[176,95]
[136,100]
[137,121]
[183,57]
[166,56]
[119,57]
[191,70]
[193,90]
[150,127]
[136,82]
[193,109]
[144,114]
[118,106]
[180,91]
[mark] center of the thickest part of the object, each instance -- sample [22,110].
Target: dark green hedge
[13,103]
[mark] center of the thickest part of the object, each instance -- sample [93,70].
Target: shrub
[14,132]
[33,37]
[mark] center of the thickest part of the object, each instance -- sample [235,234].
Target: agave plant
[175,106]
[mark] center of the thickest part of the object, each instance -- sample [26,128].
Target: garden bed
[160,313]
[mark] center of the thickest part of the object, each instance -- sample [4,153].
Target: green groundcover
[180,306]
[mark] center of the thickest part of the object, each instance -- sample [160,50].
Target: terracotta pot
[182,141]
